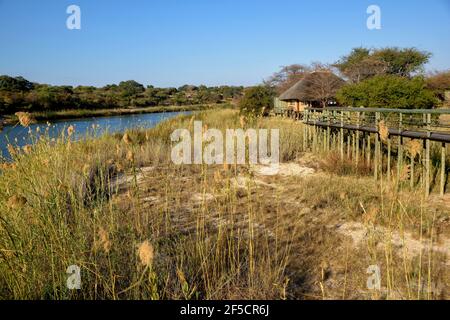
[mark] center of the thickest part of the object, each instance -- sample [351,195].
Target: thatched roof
[312,86]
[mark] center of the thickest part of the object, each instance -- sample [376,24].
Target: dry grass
[141,227]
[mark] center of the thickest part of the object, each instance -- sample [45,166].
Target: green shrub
[388,91]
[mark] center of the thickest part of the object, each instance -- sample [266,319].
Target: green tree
[402,62]
[439,83]
[363,63]
[131,88]
[15,84]
[257,100]
[388,91]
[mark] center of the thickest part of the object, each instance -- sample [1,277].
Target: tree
[322,86]
[257,100]
[287,77]
[363,63]
[15,84]
[388,91]
[130,88]
[402,62]
[360,65]
[439,83]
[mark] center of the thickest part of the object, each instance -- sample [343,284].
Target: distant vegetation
[19,94]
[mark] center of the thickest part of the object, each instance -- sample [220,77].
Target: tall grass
[140,227]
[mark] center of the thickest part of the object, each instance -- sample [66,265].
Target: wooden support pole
[400,147]
[428,160]
[427,168]
[357,139]
[442,188]
[348,144]
[399,157]
[342,135]
[376,157]
[328,130]
[368,150]
[377,148]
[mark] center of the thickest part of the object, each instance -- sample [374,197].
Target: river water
[19,136]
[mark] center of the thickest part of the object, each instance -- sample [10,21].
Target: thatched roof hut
[316,89]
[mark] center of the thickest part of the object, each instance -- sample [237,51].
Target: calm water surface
[18,135]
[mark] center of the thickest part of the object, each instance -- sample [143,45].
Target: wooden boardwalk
[412,140]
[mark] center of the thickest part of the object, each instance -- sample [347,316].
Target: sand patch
[121,181]
[409,246]
[283,169]
[202,197]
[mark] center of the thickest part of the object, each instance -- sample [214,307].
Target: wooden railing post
[427,160]
[442,188]
[400,147]
[342,135]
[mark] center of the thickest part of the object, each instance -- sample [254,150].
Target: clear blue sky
[174,42]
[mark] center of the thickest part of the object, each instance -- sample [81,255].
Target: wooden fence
[377,137]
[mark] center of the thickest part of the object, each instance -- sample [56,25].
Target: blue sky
[174,42]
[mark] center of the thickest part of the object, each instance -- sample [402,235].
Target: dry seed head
[25,118]
[130,156]
[119,167]
[12,151]
[86,169]
[383,130]
[146,253]
[242,120]
[104,240]
[27,149]
[371,215]
[16,202]
[181,276]
[414,147]
[70,130]
[404,173]
[126,138]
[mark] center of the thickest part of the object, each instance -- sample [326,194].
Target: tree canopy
[362,63]
[257,100]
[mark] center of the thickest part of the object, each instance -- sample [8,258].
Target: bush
[388,91]
[257,101]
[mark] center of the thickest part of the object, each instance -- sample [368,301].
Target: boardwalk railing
[377,135]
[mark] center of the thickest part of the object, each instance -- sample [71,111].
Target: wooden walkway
[377,136]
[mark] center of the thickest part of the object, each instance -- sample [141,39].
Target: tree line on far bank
[19,94]
[381,78]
